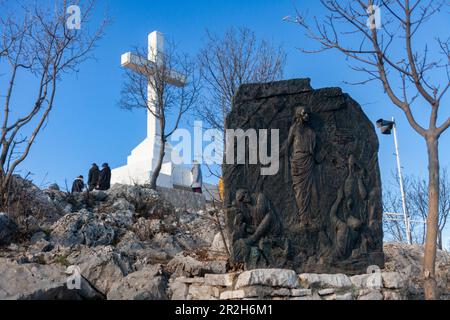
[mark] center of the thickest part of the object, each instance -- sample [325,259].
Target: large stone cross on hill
[143,159]
[150,65]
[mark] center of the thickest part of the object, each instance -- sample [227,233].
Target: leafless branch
[229,61]
[36,40]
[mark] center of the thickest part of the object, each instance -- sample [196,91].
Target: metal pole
[402,191]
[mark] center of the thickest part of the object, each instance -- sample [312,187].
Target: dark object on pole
[386,126]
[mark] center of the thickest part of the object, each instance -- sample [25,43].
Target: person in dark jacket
[197,179]
[78,185]
[104,179]
[94,173]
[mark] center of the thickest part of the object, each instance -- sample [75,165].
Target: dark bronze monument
[322,211]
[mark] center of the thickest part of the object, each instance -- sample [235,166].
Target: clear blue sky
[86,124]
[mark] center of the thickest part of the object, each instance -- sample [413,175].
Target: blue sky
[87,125]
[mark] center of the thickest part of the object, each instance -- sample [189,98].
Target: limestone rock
[203,292]
[147,284]
[407,260]
[345,296]
[301,292]
[392,280]
[313,280]
[33,202]
[223,280]
[82,228]
[120,204]
[371,295]
[146,229]
[232,295]
[194,280]
[179,290]
[394,295]
[142,252]
[326,292]
[99,195]
[188,266]
[254,291]
[121,220]
[218,246]
[101,266]
[268,277]
[41,246]
[371,281]
[39,282]
[282,292]
[146,201]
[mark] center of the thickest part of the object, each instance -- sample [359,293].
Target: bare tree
[231,60]
[168,102]
[418,201]
[394,228]
[416,194]
[36,41]
[350,27]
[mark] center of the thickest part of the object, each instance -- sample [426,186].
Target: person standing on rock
[78,185]
[197,179]
[94,173]
[104,178]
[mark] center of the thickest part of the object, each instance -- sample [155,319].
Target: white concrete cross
[143,65]
[144,157]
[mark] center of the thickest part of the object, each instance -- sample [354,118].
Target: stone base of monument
[322,210]
[282,284]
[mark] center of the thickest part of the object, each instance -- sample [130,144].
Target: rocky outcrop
[82,228]
[407,260]
[101,266]
[40,282]
[186,265]
[146,202]
[150,283]
[175,254]
[122,241]
[35,207]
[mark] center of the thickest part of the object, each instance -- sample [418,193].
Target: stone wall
[280,284]
[183,199]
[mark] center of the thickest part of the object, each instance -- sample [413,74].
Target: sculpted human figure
[375,210]
[345,233]
[256,227]
[302,141]
[354,187]
[242,215]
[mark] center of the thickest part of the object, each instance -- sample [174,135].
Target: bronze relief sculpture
[322,211]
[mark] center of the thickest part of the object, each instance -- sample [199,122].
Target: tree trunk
[4,191]
[157,169]
[429,259]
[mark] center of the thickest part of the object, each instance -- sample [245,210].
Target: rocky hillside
[128,243]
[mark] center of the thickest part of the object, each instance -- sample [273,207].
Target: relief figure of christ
[302,142]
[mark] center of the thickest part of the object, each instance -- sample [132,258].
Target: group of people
[101,179]
[97,180]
